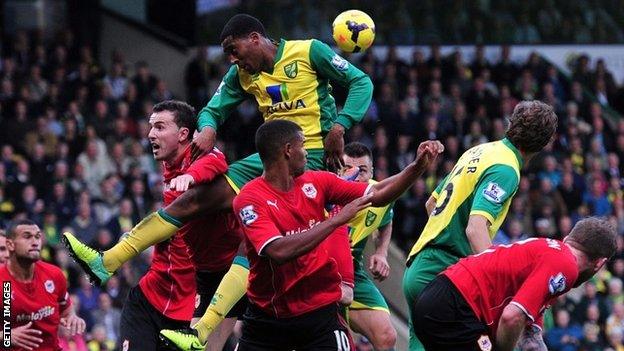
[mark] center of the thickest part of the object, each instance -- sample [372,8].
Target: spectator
[84,224]
[564,336]
[107,316]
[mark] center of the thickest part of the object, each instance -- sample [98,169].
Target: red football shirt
[528,274]
[41,301]
[268,214]
[207,243]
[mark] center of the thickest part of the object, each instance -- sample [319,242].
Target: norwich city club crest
[370,218]
[291,69]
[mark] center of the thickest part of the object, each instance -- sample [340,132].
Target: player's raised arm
[228,95]
[391,188]
[330,65]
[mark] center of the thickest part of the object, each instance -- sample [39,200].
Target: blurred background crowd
[74,153]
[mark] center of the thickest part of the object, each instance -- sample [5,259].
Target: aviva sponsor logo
[280,100]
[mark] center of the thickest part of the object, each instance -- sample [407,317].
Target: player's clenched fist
[427,152]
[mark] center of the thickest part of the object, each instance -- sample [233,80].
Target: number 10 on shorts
[342,340]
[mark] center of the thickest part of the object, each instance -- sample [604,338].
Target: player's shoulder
[49,269]
[317,177]
[254,189]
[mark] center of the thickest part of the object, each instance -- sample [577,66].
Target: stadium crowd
[417,22]
[74,154]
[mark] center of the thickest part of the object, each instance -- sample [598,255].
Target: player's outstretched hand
[181,183]
[352,208]
[26,337]
[379,267]
[203,142]
[427,153]
[74,324]
[334,147]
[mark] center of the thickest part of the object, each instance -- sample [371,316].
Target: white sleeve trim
[270,240]
[537,326]
[523,310]
[368,189]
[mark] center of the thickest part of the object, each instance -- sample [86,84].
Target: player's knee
[384,338]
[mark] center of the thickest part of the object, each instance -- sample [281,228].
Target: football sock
[154,228]
[231,289]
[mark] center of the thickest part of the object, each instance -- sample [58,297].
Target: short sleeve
[63,295]
[207,167]
[495,187]
[387,218]
[553,276]
[257,225]
[339,191]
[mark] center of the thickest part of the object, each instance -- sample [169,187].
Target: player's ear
[183,134]
[288,149]
[599,263]
[254,37]
[10,245]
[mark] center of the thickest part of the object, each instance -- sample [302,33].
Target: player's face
[165,136]
[244,52]
[363,164]
[27,242]
[4,252]
[297,156]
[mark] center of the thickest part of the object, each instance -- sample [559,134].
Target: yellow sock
[153,229]
[232,287]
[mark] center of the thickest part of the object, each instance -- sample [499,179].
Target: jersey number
[342,341]
[449,191]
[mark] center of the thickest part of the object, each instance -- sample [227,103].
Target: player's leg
[376,326]
[422,270]
[141,322]
[207,283]
[369,314]
[156,227]
[445,321]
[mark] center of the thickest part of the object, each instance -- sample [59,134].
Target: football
[354,31]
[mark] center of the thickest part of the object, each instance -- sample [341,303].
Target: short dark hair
[183,114]
[357,149]
[531,125]
[11,233]
[241,25]
[273,135]
[596,237]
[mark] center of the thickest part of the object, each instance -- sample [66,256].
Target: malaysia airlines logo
[309,190]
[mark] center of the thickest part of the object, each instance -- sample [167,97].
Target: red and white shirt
[207,243]
[529,274]
[41,300]
[267,214]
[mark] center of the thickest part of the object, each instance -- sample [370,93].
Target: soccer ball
[354,31]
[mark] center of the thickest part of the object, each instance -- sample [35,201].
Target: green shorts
[424,267]
[242,171]
[366,296]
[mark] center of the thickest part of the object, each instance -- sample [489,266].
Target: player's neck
[279,177]
[270,49]
[21,270]
[176,157]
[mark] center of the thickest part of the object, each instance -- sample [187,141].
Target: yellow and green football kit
[366,296]
[483,182]
[298,90]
